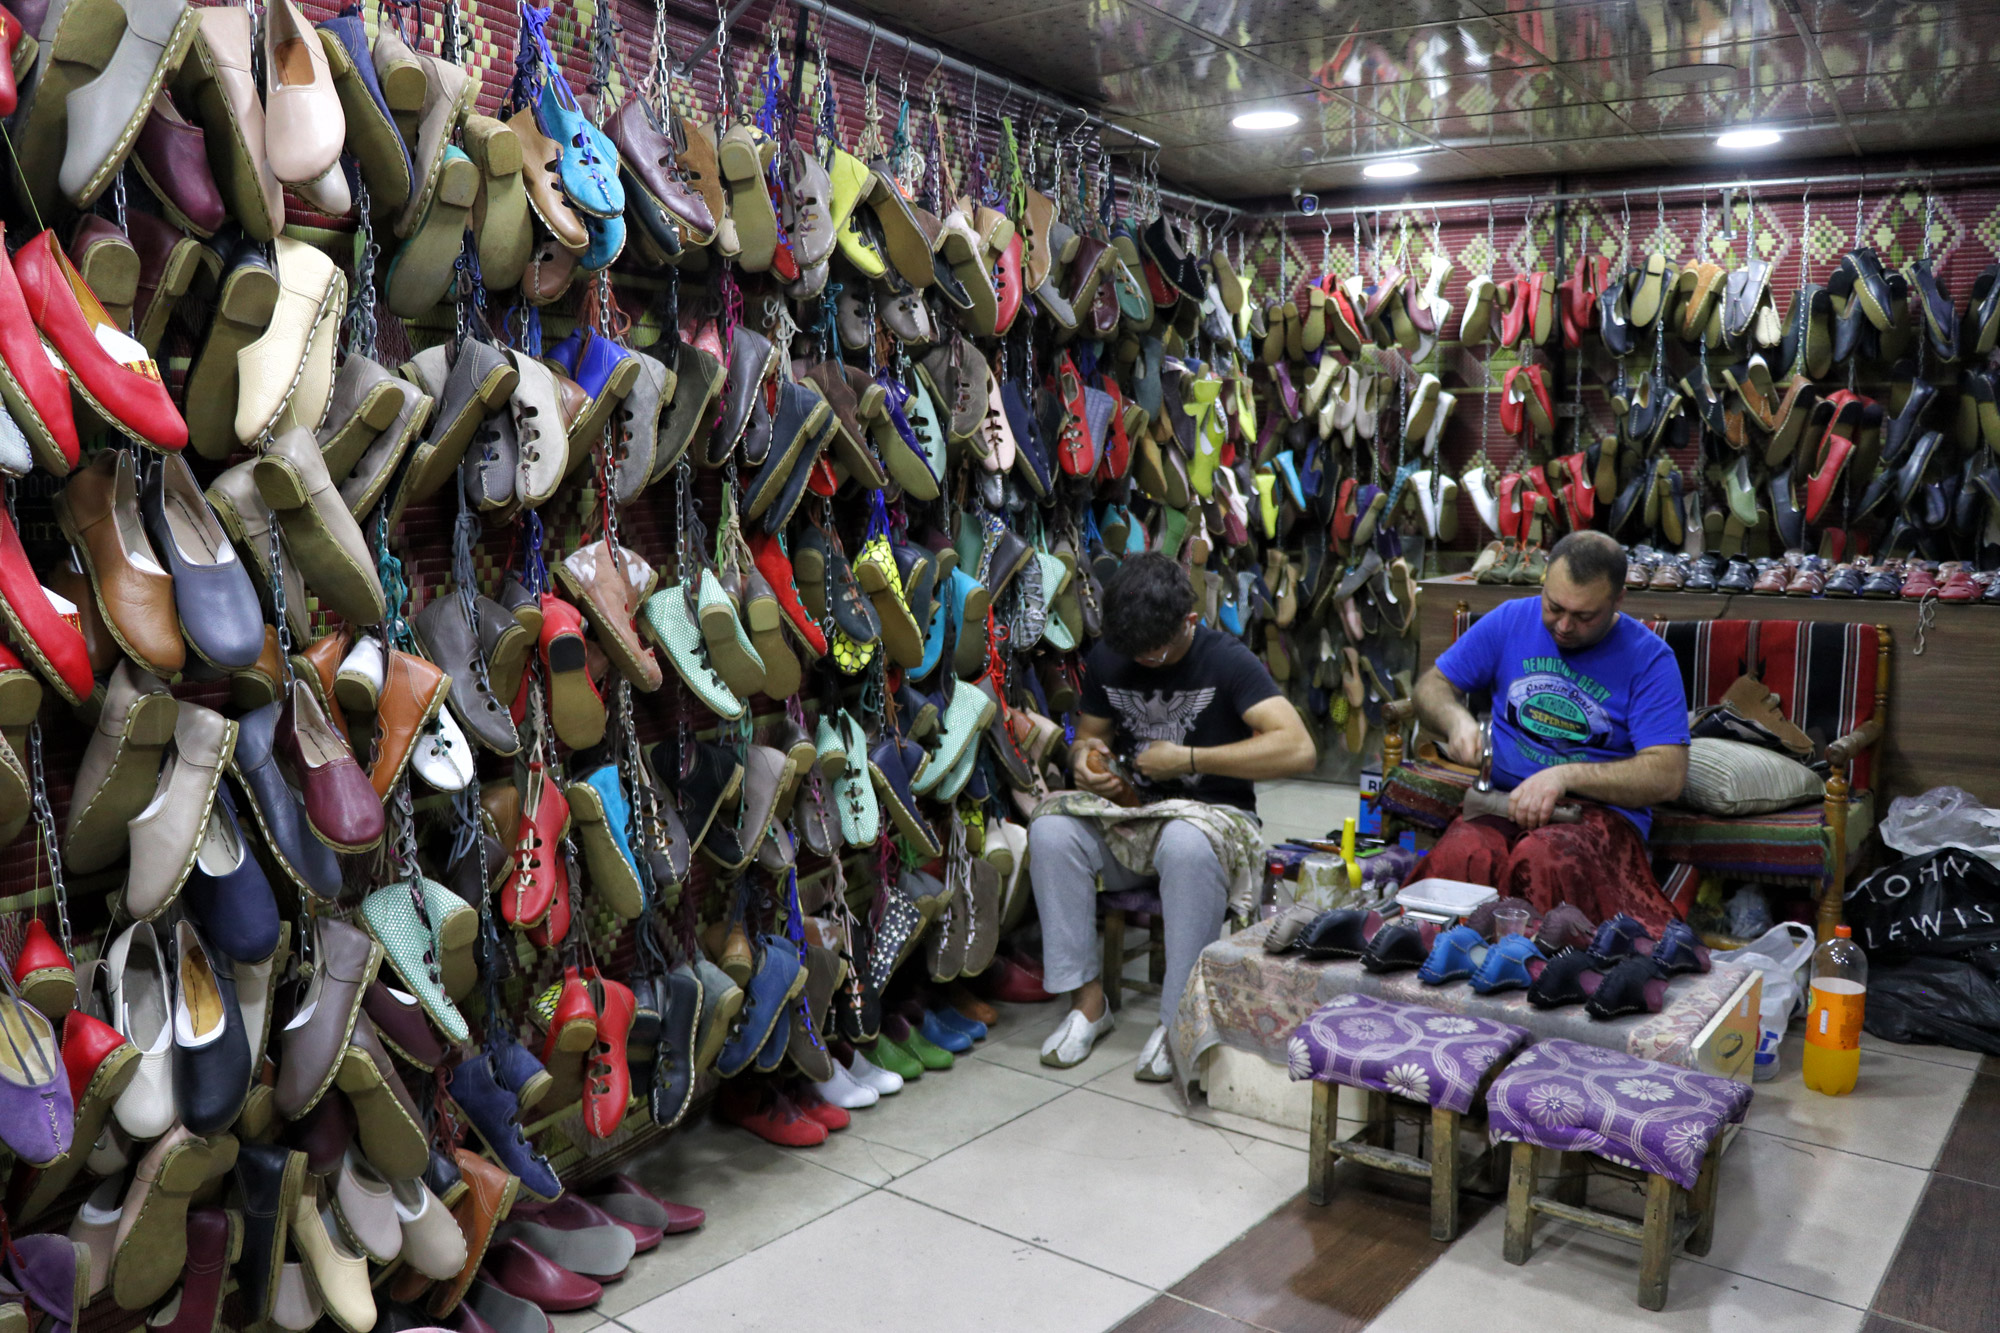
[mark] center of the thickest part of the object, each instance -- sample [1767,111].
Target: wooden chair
[1139,907]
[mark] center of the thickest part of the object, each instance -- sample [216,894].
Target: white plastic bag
[1942,817]
[1782,953]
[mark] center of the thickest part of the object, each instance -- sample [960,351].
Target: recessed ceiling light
[1266,120]
[1749,138]
[1702,71]
[1389,170]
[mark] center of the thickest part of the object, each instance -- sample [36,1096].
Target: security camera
[1307,204]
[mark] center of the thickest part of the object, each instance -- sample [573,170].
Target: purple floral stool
[1644,1119]
[1399,1054]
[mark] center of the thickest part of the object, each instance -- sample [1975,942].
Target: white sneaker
[843,1091]
[1073,1038]
[1156,1064]
[885,1082]
[443,756]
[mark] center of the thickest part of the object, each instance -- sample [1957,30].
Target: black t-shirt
[1197,701]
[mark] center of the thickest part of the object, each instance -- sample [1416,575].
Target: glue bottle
[1833,1023]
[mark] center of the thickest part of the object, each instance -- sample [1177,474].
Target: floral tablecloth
[1254,1000]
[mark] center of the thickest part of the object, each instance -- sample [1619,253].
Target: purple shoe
[53,1272]
[36,1108]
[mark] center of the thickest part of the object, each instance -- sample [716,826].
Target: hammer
[1482,798]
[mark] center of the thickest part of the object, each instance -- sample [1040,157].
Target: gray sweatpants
[1065,857]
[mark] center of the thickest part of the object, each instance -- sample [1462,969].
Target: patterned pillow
[1736,778]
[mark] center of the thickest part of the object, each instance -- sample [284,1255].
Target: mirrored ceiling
[1485,88]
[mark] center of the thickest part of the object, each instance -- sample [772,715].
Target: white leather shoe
[845,1092]
[884,1082]
[433,1244]
[1070,1044]
[443,756]
[358,684]
[1480,491]
[1156,1064]
[142,1011]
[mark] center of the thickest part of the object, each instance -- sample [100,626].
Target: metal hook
[869,58]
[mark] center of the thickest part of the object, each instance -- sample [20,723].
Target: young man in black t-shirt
[1189,714]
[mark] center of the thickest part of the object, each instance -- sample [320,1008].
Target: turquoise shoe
[415,953]
[665,619]
[607,241]
[588,167]
[969,602]
[599,812]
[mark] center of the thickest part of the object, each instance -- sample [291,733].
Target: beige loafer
[216,80]
[268,370]
[320,532]
[166,835]
[448,94]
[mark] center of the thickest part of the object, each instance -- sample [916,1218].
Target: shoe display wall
[497,564]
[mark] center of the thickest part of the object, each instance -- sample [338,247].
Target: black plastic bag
[1942,1001]
[1940,904]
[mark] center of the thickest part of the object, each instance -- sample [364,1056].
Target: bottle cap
[1843,932]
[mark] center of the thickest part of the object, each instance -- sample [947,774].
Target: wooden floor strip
[1943,1276]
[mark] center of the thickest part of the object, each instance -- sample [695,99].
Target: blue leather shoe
[1506,965]
[588,167]
[519,1072]
[958,1022]
[281,812]
[938,1033]
[1451,956]
[598,365]
[773,986]
[607,242]
[496,1114]
[773,1053]
[227,893]
[1288,468]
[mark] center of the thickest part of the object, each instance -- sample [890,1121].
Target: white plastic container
[1447,899]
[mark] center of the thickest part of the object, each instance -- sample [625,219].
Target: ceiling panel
[1075,47]
[1399,55]
[1222,79]
[1485,88]
[1261,22]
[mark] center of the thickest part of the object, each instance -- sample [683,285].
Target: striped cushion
[1736,778]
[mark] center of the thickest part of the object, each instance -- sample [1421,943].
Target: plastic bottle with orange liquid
[1833,1023]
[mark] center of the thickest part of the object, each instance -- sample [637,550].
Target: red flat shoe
[1513,401]
[1513,324]
[1007,980]
[10,37]
[123,385]
[1117,460]
[815,1107]
[519,1271]
[35,388]
[573,1027]
[571,1213]
[776,567]
[554,928]
[45,625]
[1075,451]
[43,973]
[576,709]
[769,1114]
[539,877]
[608,1086]
[1007,285]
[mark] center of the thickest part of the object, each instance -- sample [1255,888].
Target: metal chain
[45,829]
[361,330]
[284,626]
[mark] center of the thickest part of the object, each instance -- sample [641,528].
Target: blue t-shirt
[1617,697]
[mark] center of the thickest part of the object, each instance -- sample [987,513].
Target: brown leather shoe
[538,168]
[652,158]
[488,1198]
[1772,579]
[608,587]
[313,1046]
[98,510]
[412,692]
[318,665]
[697,161]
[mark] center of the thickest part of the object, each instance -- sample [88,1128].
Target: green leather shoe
[886,1054]
[928,1053]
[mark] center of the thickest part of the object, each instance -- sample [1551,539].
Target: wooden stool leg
[1572,1179]
[1114,958]
[1703,1234]
[1656,1251]
[1521,1181]
[1319,1151]
[1381,1130]
[1444,1174]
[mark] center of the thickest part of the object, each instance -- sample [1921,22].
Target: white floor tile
[1296,808]
[946,1108]
[752,1196]
[1901,1109]
[1121,1186]
[1944,1055]
[1798,1215]
[1578,1279]
[887,1264]
[1022,1050]
[1162,1097]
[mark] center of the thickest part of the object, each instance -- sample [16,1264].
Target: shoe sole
[412,288]
[391,1140]
[129,784]
[154,1254]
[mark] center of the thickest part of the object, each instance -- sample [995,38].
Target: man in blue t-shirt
[1587,709]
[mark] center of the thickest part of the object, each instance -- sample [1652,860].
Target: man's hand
[1095,777]
[1463,744]
[1531,803]
[1162,761]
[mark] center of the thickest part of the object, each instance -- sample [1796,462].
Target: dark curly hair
[1145,604]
